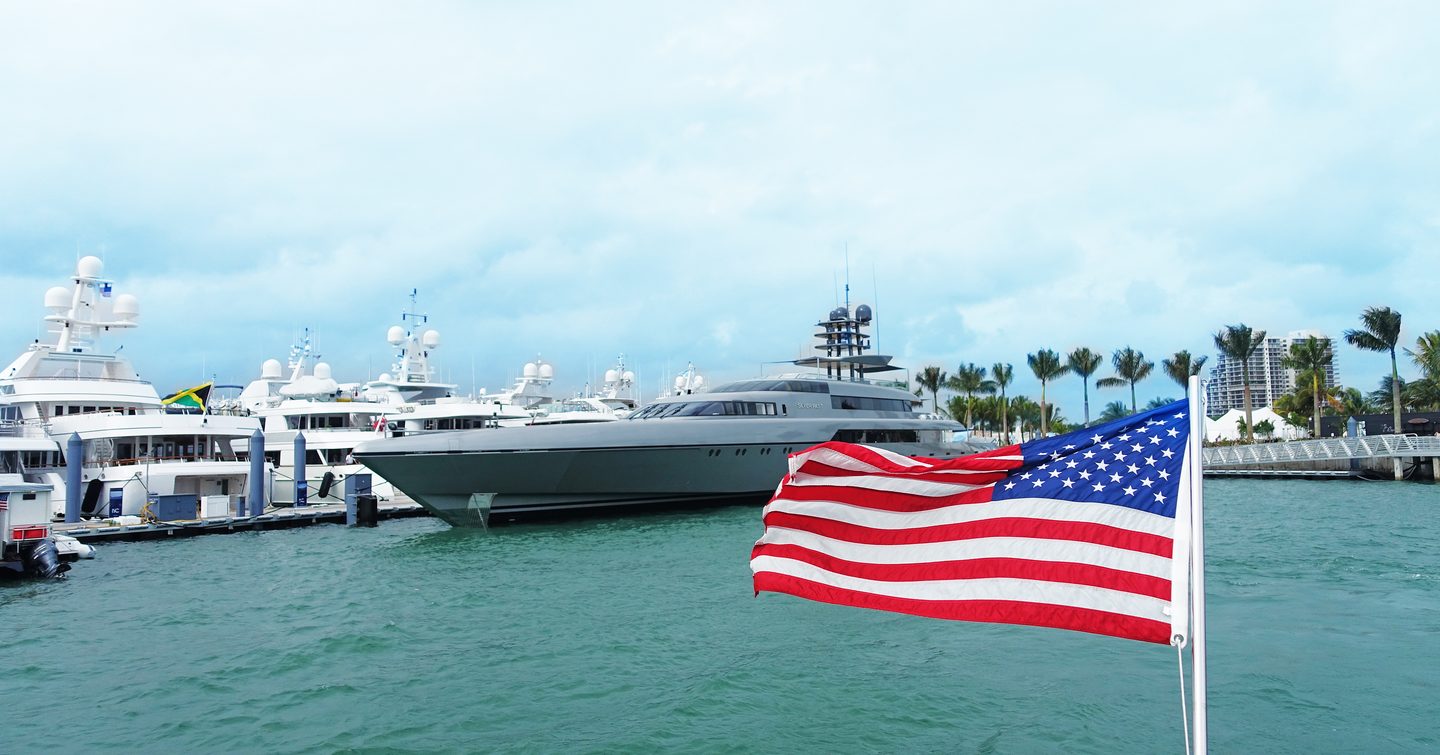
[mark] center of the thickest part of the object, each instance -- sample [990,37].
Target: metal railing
[1323,449]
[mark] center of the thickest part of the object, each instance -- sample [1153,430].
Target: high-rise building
[1269,380]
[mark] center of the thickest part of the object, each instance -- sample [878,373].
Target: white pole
[1197,565]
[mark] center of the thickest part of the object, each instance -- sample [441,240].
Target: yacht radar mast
[82,314]
[843,342]
[412,361]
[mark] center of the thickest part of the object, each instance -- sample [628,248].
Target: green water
[641,634]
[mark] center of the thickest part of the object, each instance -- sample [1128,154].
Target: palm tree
[1113,411]
[1026,411]
[1425,392]
[1130,367]
[1004,374]
[1046,366]
[1309,358]
[1084,362]
[1381,332]
[931,379]
[1159,401]
[1239,342]
[969,379]
[1182,367]
[1266,428]
[1353,402]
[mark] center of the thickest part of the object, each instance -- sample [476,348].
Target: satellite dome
[628,376]
[546,371]
[127,307]
[698,381]
[57,299]
[863,313]
[395,335]
[611,376]
[431,339]
[531,370]
[838,313]
[679,382]
[89,267]
[322,370]
[384,377]
[270,370]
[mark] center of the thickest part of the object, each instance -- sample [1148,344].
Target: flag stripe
[992,611]
[976,568]
[1037,508]
[955,534]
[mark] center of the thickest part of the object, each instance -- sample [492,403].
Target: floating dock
[276,518]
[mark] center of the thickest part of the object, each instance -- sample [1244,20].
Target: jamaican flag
[190,398]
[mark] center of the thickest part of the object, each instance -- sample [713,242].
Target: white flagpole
[1197,565]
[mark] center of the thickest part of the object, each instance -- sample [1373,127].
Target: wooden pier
[275,518]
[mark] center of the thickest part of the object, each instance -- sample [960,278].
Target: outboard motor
[42,560]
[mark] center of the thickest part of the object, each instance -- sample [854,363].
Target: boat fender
[325,483]
[90,505]
[42,560]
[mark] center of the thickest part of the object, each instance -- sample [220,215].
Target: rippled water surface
[641,634]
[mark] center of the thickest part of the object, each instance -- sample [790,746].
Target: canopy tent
[1227,426]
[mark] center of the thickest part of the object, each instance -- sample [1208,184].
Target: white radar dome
[57,299]
[127,307]
[89,267]
[322,370]
[385,377]
[679,382]
[431,339]
[531,370]
[270,370]
[628,376]
[698,381]
[546,371]
[395,335]
[611,376]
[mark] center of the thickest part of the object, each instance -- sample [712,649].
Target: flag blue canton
[1133,462]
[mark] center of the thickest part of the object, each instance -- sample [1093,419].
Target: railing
[23,429]
[1323,449]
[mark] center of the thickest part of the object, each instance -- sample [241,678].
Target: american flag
[4,501]
[1075,531]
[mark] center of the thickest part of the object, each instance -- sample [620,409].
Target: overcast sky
[681,182]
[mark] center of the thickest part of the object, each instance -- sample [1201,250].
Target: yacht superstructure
[132,448]
[727,444]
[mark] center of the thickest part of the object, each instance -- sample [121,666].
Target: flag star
[1144,429]
[1133,469]
[1160,497]
[1071,464]
[1054,473]
[1009,486]
[1129,490]
[1046,465]
[1098,488]
[1084,474]
[1150,460]
[1105,446]
[1067,482]
[1154,440]
[1096,439]
[1069,446]
[1163,474]
[1025,476]
[1172,432]
[1115,477]
[1055,456]
[1102,466]
[1137,448]
[1119,456]
[1167,453]
[1089,454]
[1147,482]
[1123,438]
[1181,415]
[1037,483]
[1159,421]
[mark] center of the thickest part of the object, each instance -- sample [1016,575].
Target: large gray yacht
[725,445]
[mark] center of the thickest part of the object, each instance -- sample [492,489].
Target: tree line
[981,400]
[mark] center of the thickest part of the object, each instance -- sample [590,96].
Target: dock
[275,518]
[1350,456]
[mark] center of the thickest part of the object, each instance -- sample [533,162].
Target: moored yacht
[132,449]
[728,444]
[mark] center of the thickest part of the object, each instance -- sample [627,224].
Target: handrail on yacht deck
[1324,449]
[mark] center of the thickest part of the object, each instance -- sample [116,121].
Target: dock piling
[74,461]
[302,488]
[256,495]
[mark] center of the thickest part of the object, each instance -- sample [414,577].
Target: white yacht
[132,448]
[725,445]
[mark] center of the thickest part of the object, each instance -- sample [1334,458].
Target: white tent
[1227,427]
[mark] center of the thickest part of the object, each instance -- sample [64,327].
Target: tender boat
[726,445]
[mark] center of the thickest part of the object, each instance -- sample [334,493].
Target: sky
[688,182]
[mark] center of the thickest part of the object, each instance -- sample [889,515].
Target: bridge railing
[1323,449]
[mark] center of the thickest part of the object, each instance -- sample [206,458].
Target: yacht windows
[867,403]
[708,409]
[796,386]
[877,436]
[41,459]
